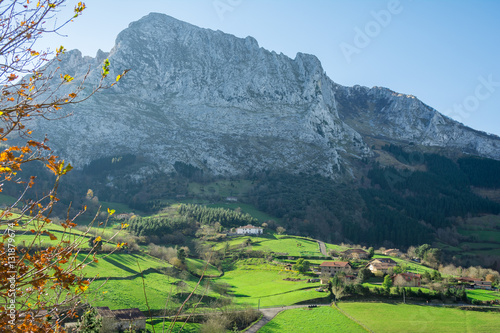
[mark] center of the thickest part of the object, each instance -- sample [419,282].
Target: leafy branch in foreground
[39,286]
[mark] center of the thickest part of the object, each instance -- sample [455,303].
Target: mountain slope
[384,114]
[228,107]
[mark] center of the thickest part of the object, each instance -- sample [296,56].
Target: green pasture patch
[266,282]
[120,265]
[483,295]
[387,318]
[311,320]
[198,266]
[123,293]
[157,325]
[293,246]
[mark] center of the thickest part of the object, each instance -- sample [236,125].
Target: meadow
[253,280]
[311,320]
[483,295]
[157,325]
[293,246]
[388,318]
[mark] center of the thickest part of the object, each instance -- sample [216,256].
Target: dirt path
[270,313]
[322,248]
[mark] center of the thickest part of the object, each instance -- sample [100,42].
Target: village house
[381,265]
[121,320]
[483,285]
[288,267]
[475,283]
[330,268]
[355,254]
[407,280]
[393,253]
[249,230]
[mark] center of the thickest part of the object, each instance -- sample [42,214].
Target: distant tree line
[174,230]
[226,217]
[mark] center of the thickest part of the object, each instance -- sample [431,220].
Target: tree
[36,279]
[421,250]
[387,284]
[95,242]
[90,322]
[337,286]
[181,255]
[364,274]
[371,252]
[280,230]
[302,265]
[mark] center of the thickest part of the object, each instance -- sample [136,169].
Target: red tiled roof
[468,279]
[383,260]
[334,264]
[249,226]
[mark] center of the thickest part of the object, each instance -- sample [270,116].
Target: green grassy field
[197,266]
[157,325]
[387,318]
[121,265]
[158,289]
[334,247]
[315,320]
[256,280]
[293,246]
[483,295]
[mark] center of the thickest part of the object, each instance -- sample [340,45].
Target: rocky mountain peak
[227,106]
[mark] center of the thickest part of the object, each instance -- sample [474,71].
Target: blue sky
[444,52]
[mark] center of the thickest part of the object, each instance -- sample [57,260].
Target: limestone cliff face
[382,113]
[209,99]
[227,106]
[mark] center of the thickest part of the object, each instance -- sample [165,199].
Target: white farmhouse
[249,230]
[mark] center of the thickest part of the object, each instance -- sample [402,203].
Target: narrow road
[322,248]
[270,313]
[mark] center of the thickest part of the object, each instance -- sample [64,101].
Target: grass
[256,280]
[315,320]
[197,266]
[121,265]
[334,247]
[483,295]
[293,246]
[158,287]
[387,318]
[157,325]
